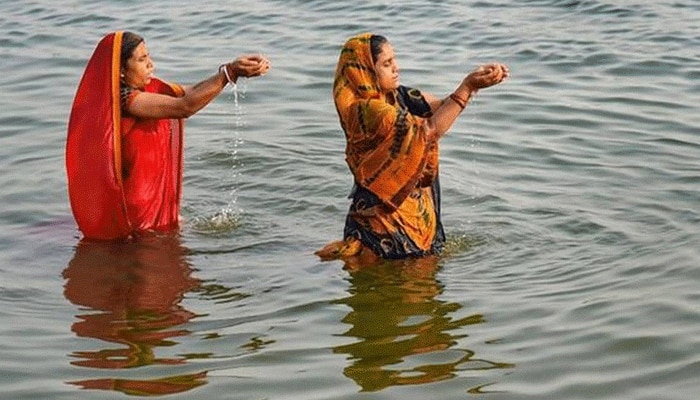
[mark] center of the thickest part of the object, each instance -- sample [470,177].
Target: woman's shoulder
[414,101]
[406,91]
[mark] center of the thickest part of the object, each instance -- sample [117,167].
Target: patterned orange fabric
[386,150]
[396,207]
[124,175]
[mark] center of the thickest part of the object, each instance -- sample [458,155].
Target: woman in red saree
[392,134]
[124,151]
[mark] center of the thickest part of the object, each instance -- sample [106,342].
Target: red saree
[124,174]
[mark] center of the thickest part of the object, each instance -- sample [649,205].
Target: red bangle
[460,101]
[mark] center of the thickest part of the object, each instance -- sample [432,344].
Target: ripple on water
[220,223]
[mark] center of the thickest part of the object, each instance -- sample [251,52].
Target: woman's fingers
[488,75]
[501,71]
[252,65]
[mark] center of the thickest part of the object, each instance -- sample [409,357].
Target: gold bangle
[460,101]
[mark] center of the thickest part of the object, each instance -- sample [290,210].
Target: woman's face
[138,70]
[387,69]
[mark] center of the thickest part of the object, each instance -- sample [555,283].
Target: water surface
[570,204]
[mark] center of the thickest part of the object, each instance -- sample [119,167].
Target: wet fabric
[395,208]
[124,174]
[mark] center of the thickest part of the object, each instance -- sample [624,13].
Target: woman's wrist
[467,89]
[229,75]
[461,101]
[462,95]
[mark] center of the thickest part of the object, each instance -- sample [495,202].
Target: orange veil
[102,208]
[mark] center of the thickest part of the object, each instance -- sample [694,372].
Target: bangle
[228,77]
[460,101]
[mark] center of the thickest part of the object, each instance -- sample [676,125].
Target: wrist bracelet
[460,101]
[228,78]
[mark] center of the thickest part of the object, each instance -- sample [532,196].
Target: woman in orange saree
[124,150]
[392,134]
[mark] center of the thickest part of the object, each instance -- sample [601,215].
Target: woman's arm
[157,106]
[433,101]
[446,111]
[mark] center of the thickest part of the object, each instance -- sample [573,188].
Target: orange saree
[395,208]
[124,174]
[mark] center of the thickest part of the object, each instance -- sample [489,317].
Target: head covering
[94,146]
[387,149]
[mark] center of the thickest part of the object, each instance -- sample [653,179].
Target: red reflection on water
[130,294]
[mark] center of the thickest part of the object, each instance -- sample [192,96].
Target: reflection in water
[129,294]
[403,332]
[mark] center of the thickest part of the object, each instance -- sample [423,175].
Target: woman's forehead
[141,49]
[387,52]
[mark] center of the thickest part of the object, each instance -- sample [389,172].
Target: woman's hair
[130,41]
[375,45]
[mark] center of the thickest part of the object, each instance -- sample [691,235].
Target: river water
[571,197]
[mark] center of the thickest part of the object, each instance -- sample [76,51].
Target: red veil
[124,174]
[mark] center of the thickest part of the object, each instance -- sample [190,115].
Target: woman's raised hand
[485,76]
[248,66]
